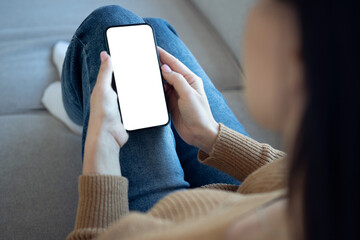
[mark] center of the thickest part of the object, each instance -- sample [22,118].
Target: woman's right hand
[188,104]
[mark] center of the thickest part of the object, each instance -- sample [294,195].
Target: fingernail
[103,56]
[166,68]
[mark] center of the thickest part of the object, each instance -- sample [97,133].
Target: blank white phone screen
[137,76]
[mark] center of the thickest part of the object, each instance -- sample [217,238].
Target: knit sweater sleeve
[103,199]
[238,155]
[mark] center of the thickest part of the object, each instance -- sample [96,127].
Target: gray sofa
[40,158]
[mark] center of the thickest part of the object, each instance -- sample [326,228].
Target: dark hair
[326,159]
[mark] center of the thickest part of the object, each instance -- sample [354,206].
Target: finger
[105,71]
[176,80]
[174,63]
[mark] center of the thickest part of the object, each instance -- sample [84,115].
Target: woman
[297,92]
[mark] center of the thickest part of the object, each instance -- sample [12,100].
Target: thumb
[105,71]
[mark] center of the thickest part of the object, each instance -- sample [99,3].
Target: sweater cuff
[103,199]
[237,154]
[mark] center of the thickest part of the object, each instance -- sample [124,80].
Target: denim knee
[160,23]
[114,14]
[102,18]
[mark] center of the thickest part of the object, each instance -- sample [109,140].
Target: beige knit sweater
[202,213]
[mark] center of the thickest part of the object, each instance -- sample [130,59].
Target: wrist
[101,151]
[207,138]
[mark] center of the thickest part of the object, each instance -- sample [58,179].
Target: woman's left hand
[105,134]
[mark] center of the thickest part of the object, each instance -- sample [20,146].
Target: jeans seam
[82,85]
[76,37]
[87,77]
[64,94]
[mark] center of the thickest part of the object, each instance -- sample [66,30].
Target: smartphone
[137,76]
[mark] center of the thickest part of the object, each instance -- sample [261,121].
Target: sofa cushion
[39,167]
[28,30]
[228,17]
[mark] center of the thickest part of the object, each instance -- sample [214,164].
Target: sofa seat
[39,166]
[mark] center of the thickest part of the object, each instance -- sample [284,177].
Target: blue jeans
[156,161]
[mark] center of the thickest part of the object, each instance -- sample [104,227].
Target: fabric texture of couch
[40,158]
